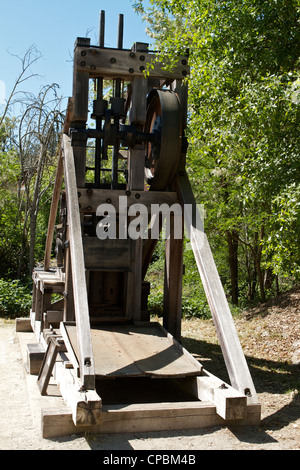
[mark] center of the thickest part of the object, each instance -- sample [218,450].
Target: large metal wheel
[163,154]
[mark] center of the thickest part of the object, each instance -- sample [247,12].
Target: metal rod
[117,92]
[102,28]
[120,32]
[99,97]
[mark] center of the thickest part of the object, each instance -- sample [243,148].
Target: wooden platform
[136,351]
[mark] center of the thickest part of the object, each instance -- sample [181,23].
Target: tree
[39,134]
[29,146]
[243,125]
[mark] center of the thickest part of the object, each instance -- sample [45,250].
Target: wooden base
[138,403]
[144,418]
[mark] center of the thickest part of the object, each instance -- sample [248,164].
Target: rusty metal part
[163,119]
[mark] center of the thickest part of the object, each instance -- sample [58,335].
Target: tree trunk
[232,242]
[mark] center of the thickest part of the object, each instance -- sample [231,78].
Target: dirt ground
[270,336]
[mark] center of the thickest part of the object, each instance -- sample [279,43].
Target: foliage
[15,298]
[243,129]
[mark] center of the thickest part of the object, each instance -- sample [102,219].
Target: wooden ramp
[135,351]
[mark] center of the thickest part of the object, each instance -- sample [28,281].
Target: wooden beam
[90,199]
[80,96]
[173,282]
[85,405]
[231,348]
[53,212]
[143,418]
[86,360]
[230,403]
[113,63]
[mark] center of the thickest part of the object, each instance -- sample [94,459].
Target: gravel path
[275,380]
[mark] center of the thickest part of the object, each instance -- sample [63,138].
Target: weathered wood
[34,358]
[52,316]
[78,271]
[107,254]
[141,418]
[69,308]
[173,282]
[137,351]
[54,346]
[112,63]
[86,405]
[139,91]
[53,212]
[23,324]
[230,404]
[136,168]
[231,348]
[90,199]
[71,353]
[69,115]
[80,84]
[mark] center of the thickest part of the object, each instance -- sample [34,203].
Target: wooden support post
[53,212]
[69,312]
[86,360]
[173,282]
[55,345]
[86,405]
[231,348]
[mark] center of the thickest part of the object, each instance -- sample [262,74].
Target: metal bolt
[131,54]
[108,200]
[82,63]
[83,53]
[142,68]
[184,73]
[130,70]
[142,57]
[137,196]
[113,60]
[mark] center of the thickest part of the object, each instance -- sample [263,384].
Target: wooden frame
[85,263]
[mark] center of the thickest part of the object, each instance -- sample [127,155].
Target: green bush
[15,298]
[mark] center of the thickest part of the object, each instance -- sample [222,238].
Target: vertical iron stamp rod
[117,93]
[99,97]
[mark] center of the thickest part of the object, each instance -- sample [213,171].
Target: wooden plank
[90,199]
[173,282]
[85,405]
[80,84]
[132,351]
[136,168]
[231,348]
[71,353]
[59,422]
[34,358]
[45,373]
[113,63]
[53,316]
[107,254]
[23,324]
[138,108]
[85,358]
[53,212]
[230,403]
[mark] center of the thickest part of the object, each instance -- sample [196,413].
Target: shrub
[15,298]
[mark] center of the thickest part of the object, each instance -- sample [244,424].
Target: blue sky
[52,27]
